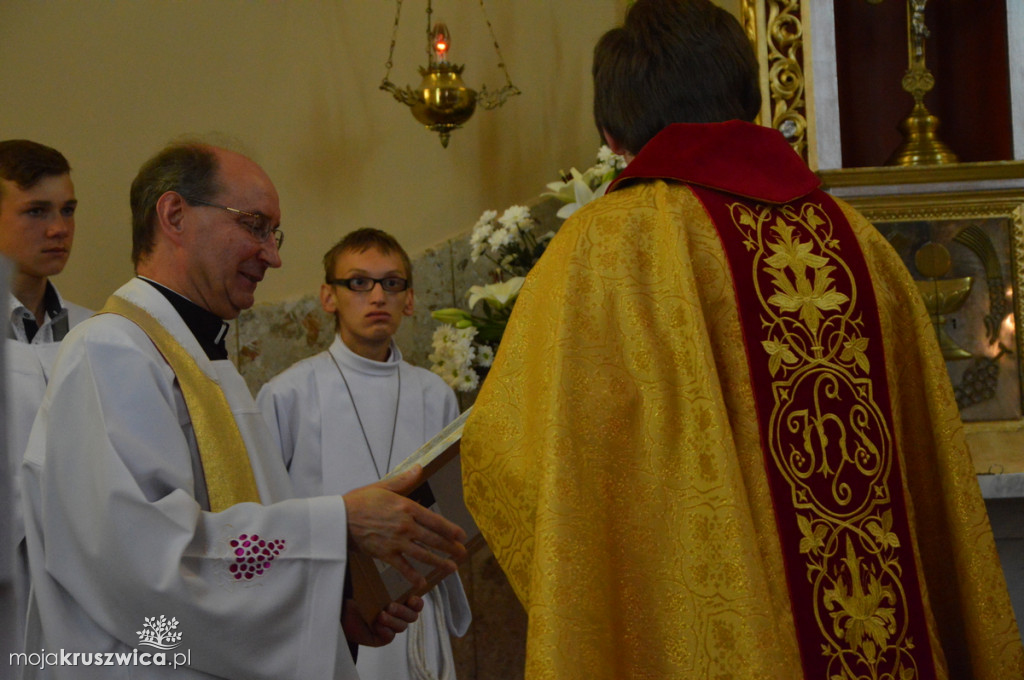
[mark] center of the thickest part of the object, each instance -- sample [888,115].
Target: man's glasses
[257,224]
[362,284]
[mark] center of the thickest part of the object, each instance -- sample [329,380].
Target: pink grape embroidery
[253,555]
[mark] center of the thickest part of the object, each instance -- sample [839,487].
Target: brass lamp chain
[430,14]
[394,40]
[406,96]
[492,100]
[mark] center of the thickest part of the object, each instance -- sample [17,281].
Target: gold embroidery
[829,438]
[225,460]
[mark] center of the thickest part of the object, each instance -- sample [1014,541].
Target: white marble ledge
[1009,485]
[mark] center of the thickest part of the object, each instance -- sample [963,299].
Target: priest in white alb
[153,490]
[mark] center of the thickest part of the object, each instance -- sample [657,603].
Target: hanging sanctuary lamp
[442,102]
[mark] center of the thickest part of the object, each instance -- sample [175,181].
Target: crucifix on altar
[921,144]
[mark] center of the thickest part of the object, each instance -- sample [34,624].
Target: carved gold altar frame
[776,28]
[997,446]
[795,44]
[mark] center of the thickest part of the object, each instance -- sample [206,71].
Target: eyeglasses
[363,284]
[256,224]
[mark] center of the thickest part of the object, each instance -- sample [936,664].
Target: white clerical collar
[350,359]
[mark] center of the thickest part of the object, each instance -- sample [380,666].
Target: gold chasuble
[719,440]
[226,465]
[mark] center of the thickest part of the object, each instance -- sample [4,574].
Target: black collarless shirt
[51,305]
[210,330]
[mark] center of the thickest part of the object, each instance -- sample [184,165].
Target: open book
[376,584]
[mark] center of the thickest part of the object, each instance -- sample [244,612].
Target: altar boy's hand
[385,524]
[390,622]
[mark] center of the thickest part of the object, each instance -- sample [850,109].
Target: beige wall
[108,82]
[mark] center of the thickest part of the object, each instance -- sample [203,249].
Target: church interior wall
[295,85]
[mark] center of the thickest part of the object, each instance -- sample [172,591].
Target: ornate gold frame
[776,28]
[901,175]
[957,205]
[781,31]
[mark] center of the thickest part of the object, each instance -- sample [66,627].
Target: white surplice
[324,429]
[119,530]
[27,370]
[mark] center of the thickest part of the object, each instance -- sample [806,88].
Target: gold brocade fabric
[613,462]
[226,466]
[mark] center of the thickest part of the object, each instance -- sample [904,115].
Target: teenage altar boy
[37,229]
[348,415]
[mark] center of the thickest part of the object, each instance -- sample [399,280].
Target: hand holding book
[387,525]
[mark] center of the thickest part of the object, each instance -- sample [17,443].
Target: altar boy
[347,416]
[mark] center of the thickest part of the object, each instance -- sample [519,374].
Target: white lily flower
[508,240]
[564,191]
[583,194]
[498,294]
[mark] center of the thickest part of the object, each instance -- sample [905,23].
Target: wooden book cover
[376,584]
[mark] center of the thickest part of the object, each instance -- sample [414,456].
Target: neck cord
[394,425]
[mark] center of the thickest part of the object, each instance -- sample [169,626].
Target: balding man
[158,512]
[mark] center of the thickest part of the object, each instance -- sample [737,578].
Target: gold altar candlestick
[921,145]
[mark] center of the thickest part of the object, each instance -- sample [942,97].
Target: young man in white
[151,485]
[37,228]
[347,416]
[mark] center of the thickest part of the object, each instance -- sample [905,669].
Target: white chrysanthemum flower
[445,374]
[607,157]
[516,218]
[477,251]
[465,380]
[461,349]
[443,336]
[500,237]
[483,227]
[453,355]
[484,355]
[486,220]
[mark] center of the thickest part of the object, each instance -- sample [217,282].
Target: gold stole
[814,348]
[225,460]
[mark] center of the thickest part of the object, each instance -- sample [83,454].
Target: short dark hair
[189,168]
[25,163]
[673,61]
[362,240]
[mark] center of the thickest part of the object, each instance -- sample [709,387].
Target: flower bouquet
[465,343]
